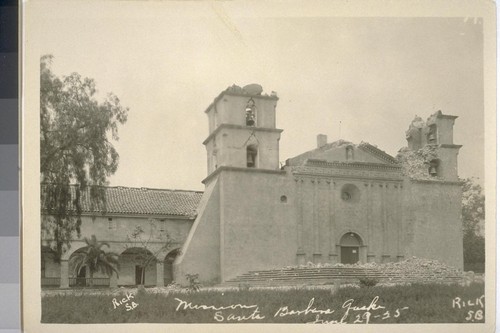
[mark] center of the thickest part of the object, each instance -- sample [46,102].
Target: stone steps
[328,275]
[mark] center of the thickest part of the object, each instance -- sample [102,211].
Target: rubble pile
[418,268]
[412,269]
[416,163]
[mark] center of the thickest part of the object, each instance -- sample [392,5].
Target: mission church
[337,203]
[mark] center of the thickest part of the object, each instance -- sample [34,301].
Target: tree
[149,245]
[75,150]
[473,215]
[473,212]
[95,259]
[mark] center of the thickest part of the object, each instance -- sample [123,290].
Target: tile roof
[138,201]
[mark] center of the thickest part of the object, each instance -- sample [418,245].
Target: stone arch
[354,231]
[75,246]
[77,278]
[168,267]
[352,247]
[132,269]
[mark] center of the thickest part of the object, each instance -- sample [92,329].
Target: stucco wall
[258,226]
[228,147]
[231,110]
[374,214]
[115,232]
[127,271]
[448,163]
[432,218]
[200,254]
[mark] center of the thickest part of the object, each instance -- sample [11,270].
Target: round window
[350,193]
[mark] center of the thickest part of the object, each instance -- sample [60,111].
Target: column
[64,274]
[113,280]
[222,249]
[363,254]
[159,274]
[333,257]
[301,255]
[370,257]
[385,252]
[400,224]
[317,252]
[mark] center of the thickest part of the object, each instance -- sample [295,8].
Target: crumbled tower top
[252,89]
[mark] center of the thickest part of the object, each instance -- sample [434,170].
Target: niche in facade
[250,113]
[349,153]
[350,193]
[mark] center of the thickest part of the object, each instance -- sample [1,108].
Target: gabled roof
[138,201]
[330,152]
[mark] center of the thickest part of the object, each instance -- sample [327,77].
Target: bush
[141,291]
[194,283]
[243,286]
[476,267]
[367,282]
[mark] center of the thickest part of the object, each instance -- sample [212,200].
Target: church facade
[337,203]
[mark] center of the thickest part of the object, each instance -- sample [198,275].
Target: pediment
[344,151]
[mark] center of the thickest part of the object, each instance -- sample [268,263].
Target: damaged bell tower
[437,134]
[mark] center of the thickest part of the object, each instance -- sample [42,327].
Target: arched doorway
[168,266]
[137,267]
[350,245]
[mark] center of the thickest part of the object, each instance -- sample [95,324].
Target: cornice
[306,175]
[353,165]
[448,145]
[437,181]
[240,169]
[233,126]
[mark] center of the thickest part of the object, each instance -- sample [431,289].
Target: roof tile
[131,200]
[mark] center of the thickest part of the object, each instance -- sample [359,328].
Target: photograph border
[30,179]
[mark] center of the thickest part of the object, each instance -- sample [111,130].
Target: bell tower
[242,130]
[437,131]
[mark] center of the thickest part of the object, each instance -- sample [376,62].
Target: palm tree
[95,259]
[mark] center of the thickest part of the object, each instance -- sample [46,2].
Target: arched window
[432,134]
[250,114]
[435,168]
[251,156]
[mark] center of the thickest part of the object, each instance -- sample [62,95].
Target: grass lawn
[396,304]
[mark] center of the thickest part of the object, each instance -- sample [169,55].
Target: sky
[355,78]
